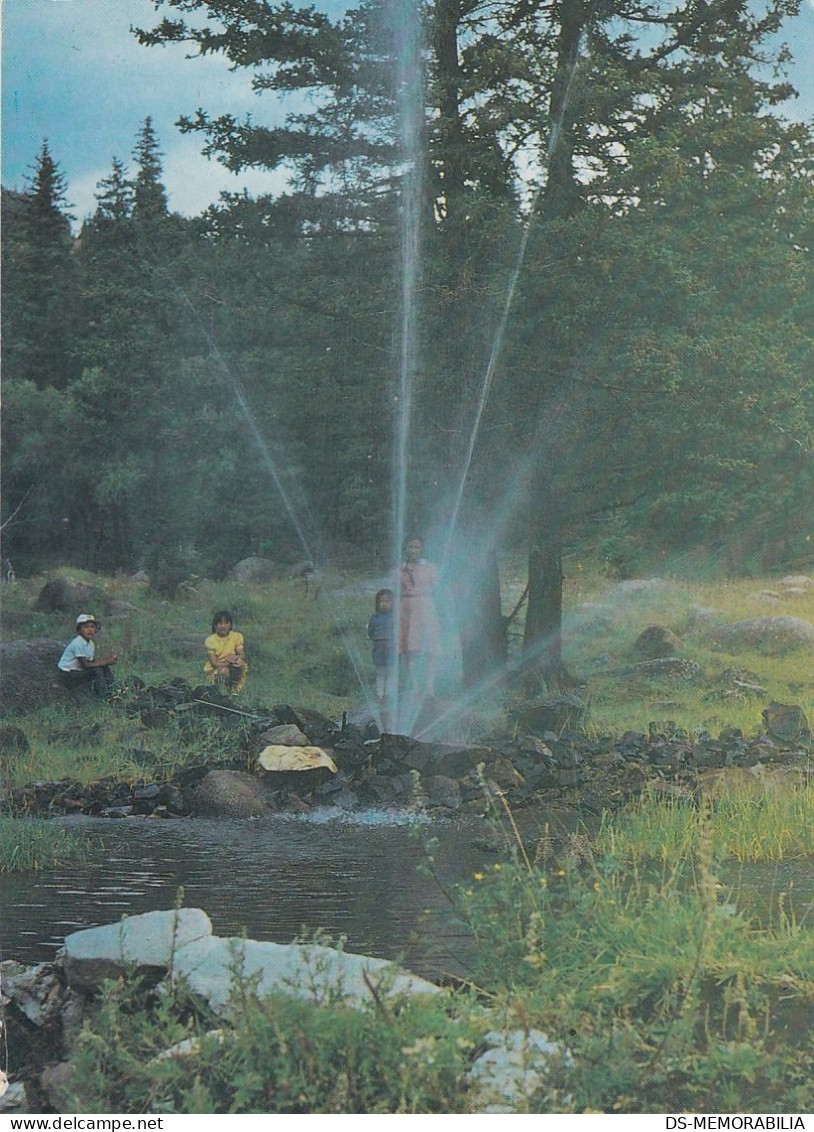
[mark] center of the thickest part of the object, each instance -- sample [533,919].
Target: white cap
[84,618]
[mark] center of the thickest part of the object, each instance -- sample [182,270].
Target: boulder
[28,674]
[786,722]
[227,793]
[286,735]
[281,758]
[798,582]
[69,595]
[35,991]
[148,943]
[553,713]
[255,571]
[657,641]
[773,635]
[212,966]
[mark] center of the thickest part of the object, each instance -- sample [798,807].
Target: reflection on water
[272,879]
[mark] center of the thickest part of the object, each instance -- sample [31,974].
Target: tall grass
[741,827]
[31,844]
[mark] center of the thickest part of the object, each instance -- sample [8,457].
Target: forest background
[608,224]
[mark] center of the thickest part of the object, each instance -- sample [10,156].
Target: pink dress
[420,630]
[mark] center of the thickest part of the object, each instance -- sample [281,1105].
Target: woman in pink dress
[419,632]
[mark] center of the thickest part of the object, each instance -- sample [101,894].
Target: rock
[670,668]
[255,570]
[319,974]
[227,793]
[773,635]
[28,674]
[786,722]
[141,578]
[13,1097]
[281,758]
[287,735]
[55,1082]
[68,595]
[657,641]
[35,991]
[800,582]
[554,713]
[513,1070]
[146,943]
[443,791]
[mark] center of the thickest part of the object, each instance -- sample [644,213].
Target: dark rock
[657,641]
[28,675]
[553,714]
[786,722]
[443,791]
[68,595]
[227,793]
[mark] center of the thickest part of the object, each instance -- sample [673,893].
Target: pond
[271,878]
[362,876]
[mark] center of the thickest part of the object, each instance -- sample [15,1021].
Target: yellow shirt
[221,646]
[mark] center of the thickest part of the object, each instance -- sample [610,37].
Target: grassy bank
[306,644]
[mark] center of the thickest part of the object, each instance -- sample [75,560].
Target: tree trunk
[482,626]
[542,639]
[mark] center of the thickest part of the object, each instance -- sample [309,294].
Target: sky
[74,74]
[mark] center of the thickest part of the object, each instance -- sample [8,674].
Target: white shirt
[69,661]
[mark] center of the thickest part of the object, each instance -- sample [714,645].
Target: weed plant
[668,999]
[30,844]
[281,1055]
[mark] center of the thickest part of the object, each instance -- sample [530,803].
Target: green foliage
[663,992]
[277,1056]
[29,844]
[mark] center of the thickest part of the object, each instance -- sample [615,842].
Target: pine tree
[149,194]
[37,277]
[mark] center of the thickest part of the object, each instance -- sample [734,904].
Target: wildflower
[497,867]
[478,876]
[560,872]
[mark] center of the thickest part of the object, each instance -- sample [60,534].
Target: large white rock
[212,967]
[151,940]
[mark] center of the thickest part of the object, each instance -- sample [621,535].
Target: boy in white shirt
[78,664]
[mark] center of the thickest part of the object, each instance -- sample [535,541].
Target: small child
[225,654]
[381,630]
[78,664]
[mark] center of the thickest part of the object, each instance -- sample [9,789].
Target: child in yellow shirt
[225,654]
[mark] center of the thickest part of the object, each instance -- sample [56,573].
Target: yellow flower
[478,876]
[497,868]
